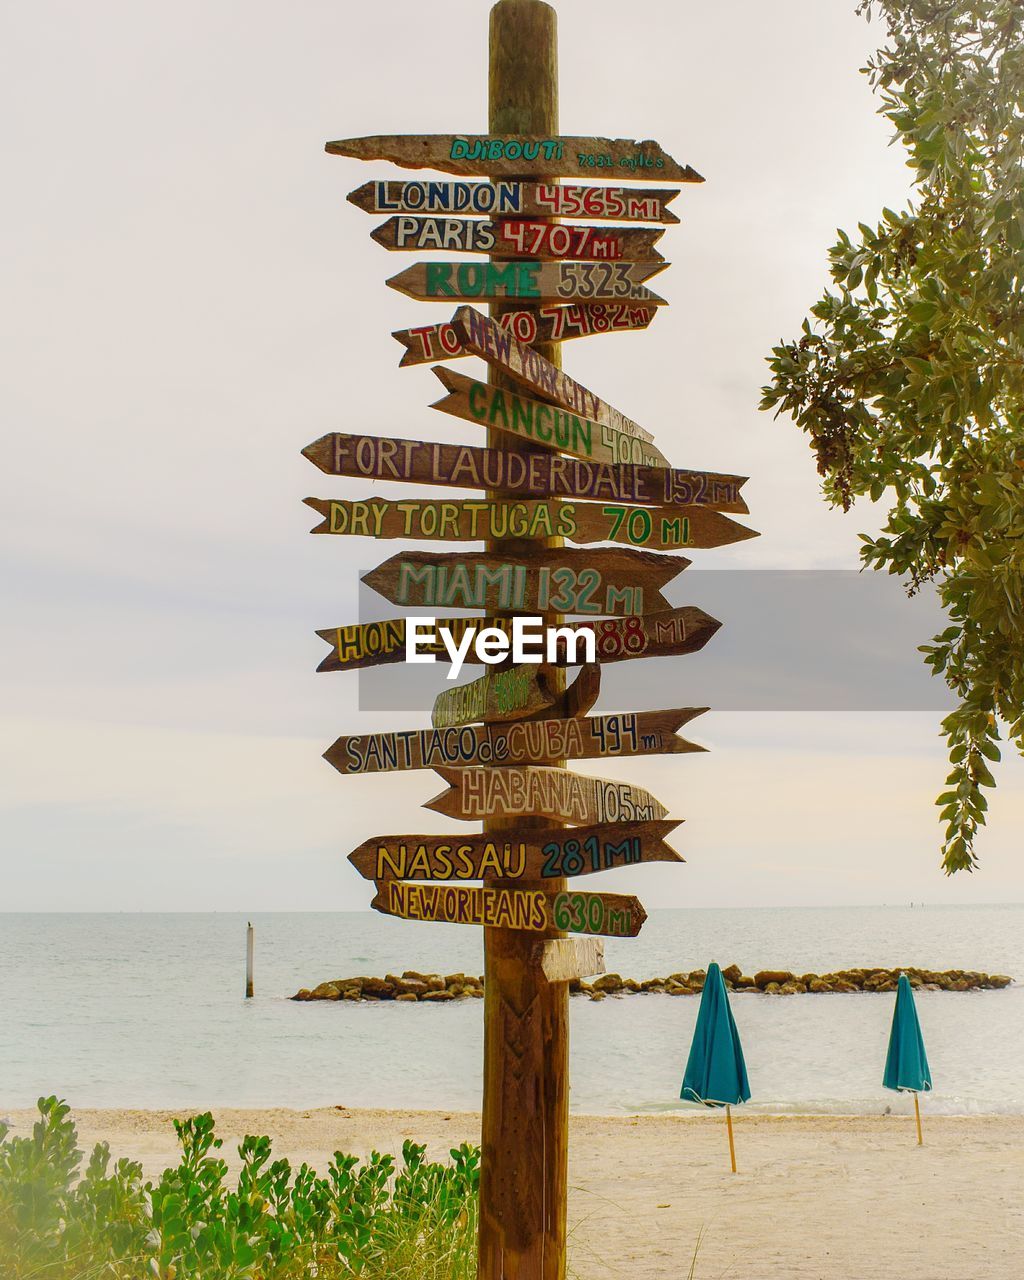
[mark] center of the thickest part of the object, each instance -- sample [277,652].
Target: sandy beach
[835,1198]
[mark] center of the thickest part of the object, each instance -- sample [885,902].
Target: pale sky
[189,299]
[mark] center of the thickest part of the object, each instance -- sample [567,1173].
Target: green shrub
[363,1218]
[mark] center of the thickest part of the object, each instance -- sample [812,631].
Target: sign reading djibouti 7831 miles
[516,199]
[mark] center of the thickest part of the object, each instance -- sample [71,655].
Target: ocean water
[148,1011]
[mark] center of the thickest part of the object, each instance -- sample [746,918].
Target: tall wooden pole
[525,1130]
[250,953]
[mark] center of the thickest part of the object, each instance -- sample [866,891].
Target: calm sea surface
[147,1011]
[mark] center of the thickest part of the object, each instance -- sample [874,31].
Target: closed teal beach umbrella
[716,1074]
[906,1065]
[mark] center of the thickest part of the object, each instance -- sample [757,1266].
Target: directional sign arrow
[541,423]
[530,474]
[605,914]
[469,520]
[538,792]
[516,693]
[536,240]
[546,853]
[552,323]
[530,279]
[637,733]
[615,580]
[517,199]
[519,155]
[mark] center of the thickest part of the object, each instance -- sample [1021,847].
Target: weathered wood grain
[527,279]
[530,474]
[544,853]
[555,322]
[539,792]
[541,423]
[516,199]
[514,693]
[522,238]
[465,520]
[610,915]
[567,959]
[669,633]
[520,156]
[613,580]
[486,339]
[637,733]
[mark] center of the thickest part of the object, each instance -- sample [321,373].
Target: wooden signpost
[532,474]
[556,794]
[466,520]
[610,915]
[559,463]
[533,239]
[613,581]
[540,281]
[541,423]
[555,323]
[517,200]
[520,156]
[637,733]
[547,853]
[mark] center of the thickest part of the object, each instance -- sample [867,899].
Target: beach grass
[377,1218]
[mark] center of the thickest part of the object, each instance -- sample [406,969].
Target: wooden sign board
[538,241]
[520,156]
[466,520]
[538,792]
[615,580]
[551,323]
[532,474]
[545,854]
[501,350]
[668,633]
[541,423]
[517,200]
[568,959]
[542,281]
[514,693]
[637,733]
[606,914]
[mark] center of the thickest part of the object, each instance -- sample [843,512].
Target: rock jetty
[431,987]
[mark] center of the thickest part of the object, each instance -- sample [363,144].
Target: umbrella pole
[732,1145]
[917,1113]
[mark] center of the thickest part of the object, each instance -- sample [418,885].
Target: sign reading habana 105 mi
[540,423]
[538,792]
[466,520]
[606,914]
[552,323]
[545,854]
[544,281]
[519,156]
[541,241]
[517,199]
[615,580]
[531,474]
[637,733]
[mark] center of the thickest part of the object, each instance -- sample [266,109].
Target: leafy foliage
[368,1219]
[909,380]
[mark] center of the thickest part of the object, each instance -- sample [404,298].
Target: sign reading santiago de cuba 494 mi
[538,792]
[542,281]
[669,633]
[469,520]
[531,474]
[540,422]
[543,854]
[519,156]
[616,580]
[607,914]
[539,241]
[637,733]
[552,323]
[517,199]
